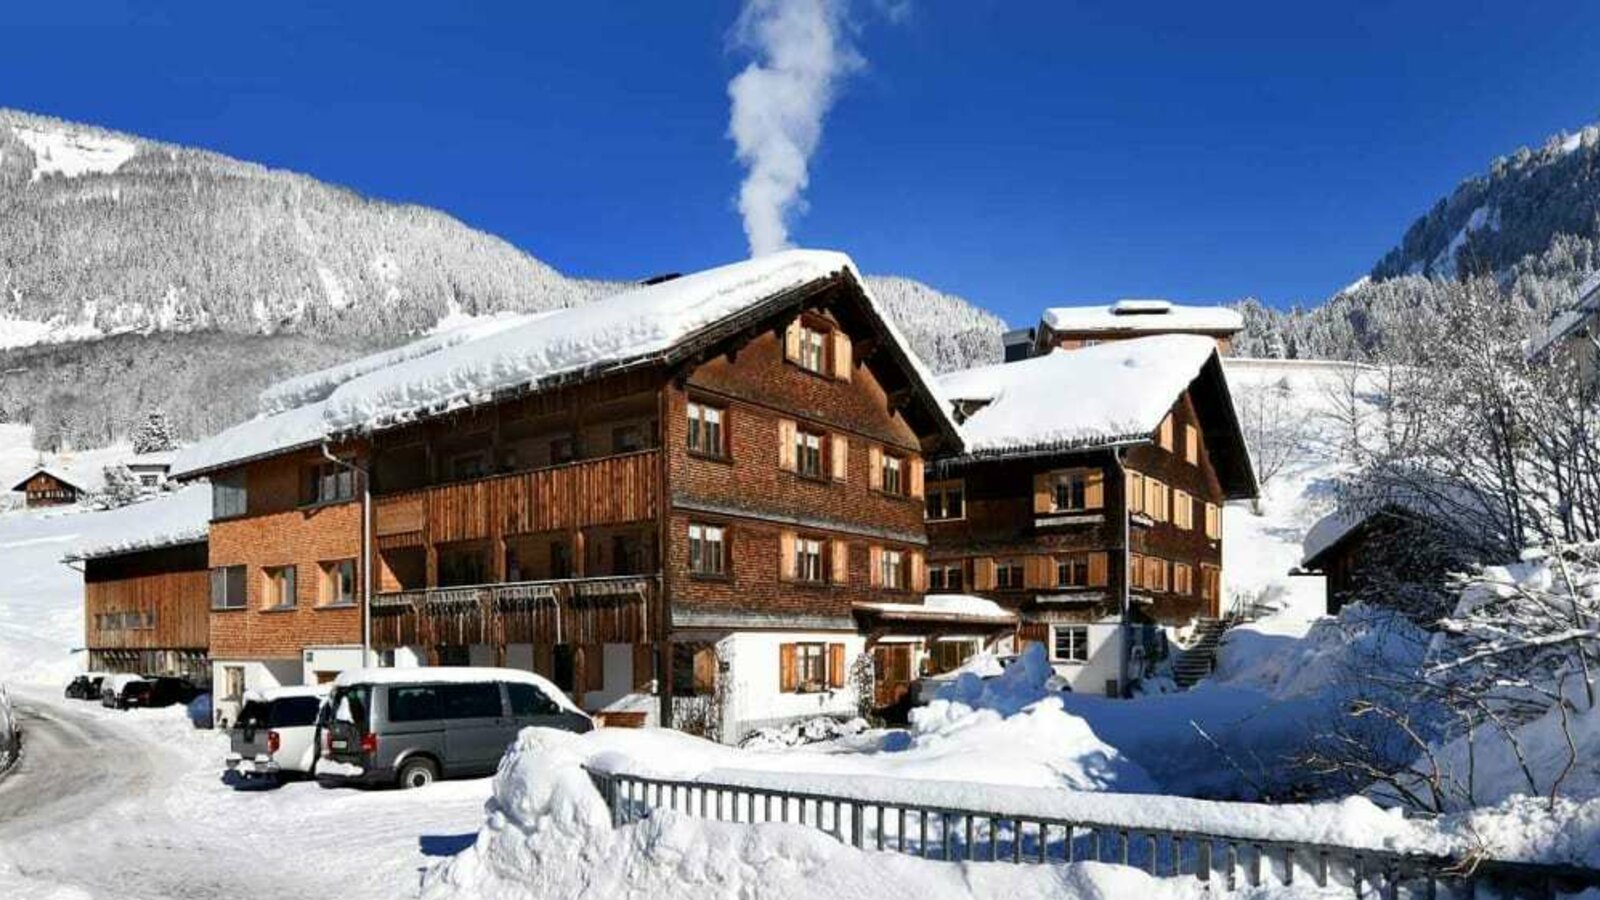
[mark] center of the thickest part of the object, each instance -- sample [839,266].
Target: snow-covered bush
[10,735]
[811,731]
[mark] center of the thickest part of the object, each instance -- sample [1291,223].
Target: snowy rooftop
[85,477]
[944,606]
[1569,321]
[471,365]
[166,521]
[1106,394]
[1143,315]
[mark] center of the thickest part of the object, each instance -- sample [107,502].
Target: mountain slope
[104,234]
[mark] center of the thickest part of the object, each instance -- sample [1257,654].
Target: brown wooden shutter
[1133,493]
[1098,568]
[1135,570]
[1035,572]
[786,557]
[1155,501]
[875,566]
[1191,444]
[919,571]
[786,669]
[875,467]
[915,465]
[786,436]
[842,362]
[839,560]
[1094,491]
[983,573]
[839,457]
[791,341]
[594,667]
[1043,502]
[836,665]
[705,670]
[1166,433]
[644,659]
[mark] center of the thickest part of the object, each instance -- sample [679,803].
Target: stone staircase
[1198,659]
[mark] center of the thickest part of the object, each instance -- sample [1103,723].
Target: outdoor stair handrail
[980,835]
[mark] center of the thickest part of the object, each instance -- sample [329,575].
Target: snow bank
[1122,390]
[548,834]
[1284,665]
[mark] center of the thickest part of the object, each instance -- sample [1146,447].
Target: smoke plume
[802,54]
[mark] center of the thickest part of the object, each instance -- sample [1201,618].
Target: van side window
[412,704]
[527,700]
[469,701]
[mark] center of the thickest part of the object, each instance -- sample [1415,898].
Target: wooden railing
[606,609]
[607,491]
[954,833]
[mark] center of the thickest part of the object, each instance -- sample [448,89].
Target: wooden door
[891,678]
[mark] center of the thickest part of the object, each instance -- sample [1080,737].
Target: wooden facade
[147,610]
[46,488]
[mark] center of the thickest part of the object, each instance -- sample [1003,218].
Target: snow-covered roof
[169,520]
[69,477]
[1110,393]
[638,326]
[944,607]
[159,458]
[1143,315]
[1570,320]
[453,675]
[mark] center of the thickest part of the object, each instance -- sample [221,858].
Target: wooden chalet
[147,608]
[49,487]
[1089,499]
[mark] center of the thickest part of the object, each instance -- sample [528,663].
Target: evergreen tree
[154,434]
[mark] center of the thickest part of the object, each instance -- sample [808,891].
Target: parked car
[85,686]
[413,726]
[122,691]
[276,732]
[169,690]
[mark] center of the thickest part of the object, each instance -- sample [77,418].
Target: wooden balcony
[604,610]
[612,490]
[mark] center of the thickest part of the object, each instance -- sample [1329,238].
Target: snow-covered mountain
[191,261]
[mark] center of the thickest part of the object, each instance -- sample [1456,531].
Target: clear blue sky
[1018,153]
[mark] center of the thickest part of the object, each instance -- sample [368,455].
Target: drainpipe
[366,551]
[1123,592]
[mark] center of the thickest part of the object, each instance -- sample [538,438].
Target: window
[527,700]
[1071,643]
[478,700]
[149,479]
[627,439]
[1210,581]
[413,704]
[947,654]
[946,501]
[893,475]
[893,570]
[808,453]
[811,666]
[808,560]
[630,555]
[1008,575]
[1182,509]
[705,430]
[232,682]
[813,349]
[228,497]
[707,550]
[563,450]
[1213,521]
[947,578]
[1191,445]
[1072,571]
[339,582]
[227,587]
[694,669]
[1069,491]
[1182,579]
[279,592]
[560,559]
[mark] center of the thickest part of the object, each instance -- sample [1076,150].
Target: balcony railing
[606,609]
[609,491]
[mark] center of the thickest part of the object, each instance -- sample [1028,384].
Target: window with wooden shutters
[1182,509]
[1008,574]
[1191,445]
[842,355]
[808,560]
[1213,521]
[813,349]
[839,562]
[893,563]
[1074,490]
[1182,579]
[810,667]
[893,479]
[787,430]
[1072,571]
[1134,493]
[706,432]
[1164,435]
[836,666]
[839,457]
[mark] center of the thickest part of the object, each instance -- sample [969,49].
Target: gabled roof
[71,480]
[1108,395]
[1144,315]
[662,323]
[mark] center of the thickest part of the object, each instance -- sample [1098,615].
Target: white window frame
[806,442]
[893,474]
[813,349]
[1077,643]
[893,569]
[705,433]
[708,549]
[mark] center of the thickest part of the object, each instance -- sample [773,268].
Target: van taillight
[369,743]
[272,742]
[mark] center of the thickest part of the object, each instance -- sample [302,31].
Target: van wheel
[415,773]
